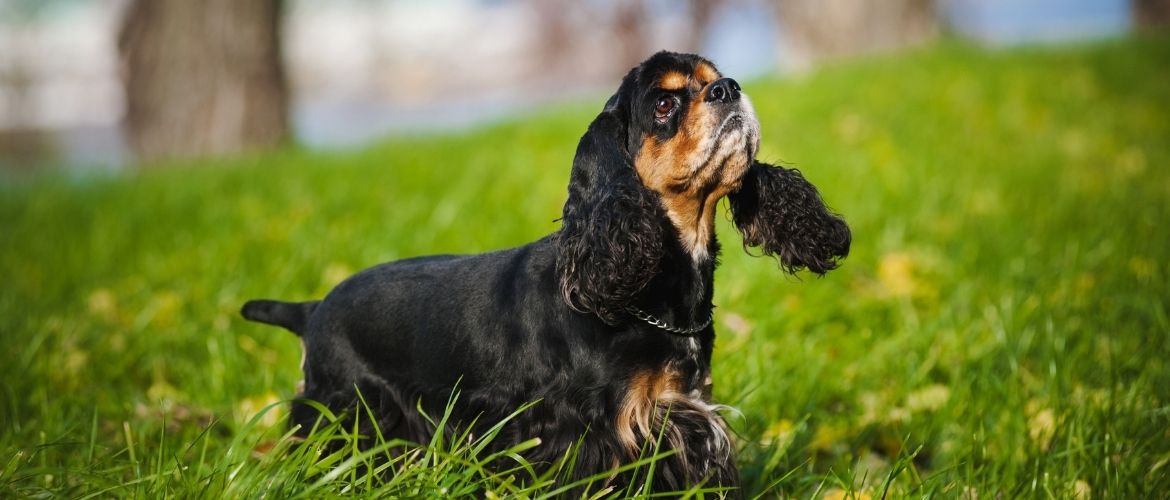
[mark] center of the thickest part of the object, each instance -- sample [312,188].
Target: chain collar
[655,321]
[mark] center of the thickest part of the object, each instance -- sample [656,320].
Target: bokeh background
[1000,328]
[82,81]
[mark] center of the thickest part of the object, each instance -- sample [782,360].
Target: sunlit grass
[1000,326]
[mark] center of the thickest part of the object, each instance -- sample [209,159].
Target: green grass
[1000,327]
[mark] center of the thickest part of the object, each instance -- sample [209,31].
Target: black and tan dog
[607,322]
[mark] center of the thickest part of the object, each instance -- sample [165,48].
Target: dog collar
[655,321]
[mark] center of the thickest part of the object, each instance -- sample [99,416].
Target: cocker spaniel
[606,322]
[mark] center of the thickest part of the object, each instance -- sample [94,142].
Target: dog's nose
[723,90]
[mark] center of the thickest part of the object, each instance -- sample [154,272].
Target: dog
[605,323]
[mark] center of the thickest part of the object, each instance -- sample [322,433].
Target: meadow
[999,330]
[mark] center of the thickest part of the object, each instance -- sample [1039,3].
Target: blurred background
[106,84]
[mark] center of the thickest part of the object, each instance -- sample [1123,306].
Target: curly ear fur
[781,212]
[612,234]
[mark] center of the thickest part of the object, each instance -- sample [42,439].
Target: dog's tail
[292,316]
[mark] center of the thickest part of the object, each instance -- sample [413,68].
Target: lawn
[1001,327]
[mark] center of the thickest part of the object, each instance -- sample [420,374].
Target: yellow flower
[929,398]
[779,434]
[248,408]
[1041,427]
[1081,490]
[896,273]
[1141,267]
[101,303]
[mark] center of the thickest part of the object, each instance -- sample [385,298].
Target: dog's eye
[663,107]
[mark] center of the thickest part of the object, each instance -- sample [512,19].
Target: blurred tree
[555,25]
[562,23]
[17,26]
[820,29]
[629,28]
[22,144]
[1152,14]
[203,77]
[702,14]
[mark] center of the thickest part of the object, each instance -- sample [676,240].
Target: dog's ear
[612,233]
[779,211]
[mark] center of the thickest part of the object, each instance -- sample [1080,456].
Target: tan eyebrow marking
[706,73]
[673,81]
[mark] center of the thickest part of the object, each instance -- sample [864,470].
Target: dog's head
[670,143]
[691,134]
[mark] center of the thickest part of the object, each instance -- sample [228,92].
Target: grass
[1000,328]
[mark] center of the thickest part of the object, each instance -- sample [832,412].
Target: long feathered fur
[612,233]
[780,212]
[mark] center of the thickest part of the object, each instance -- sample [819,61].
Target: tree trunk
[825,29]
[203,77]
[702,14]
[555,51]
[1151,15]
[629,29]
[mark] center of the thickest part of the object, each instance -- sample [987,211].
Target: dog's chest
[691,369]
[664,403]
